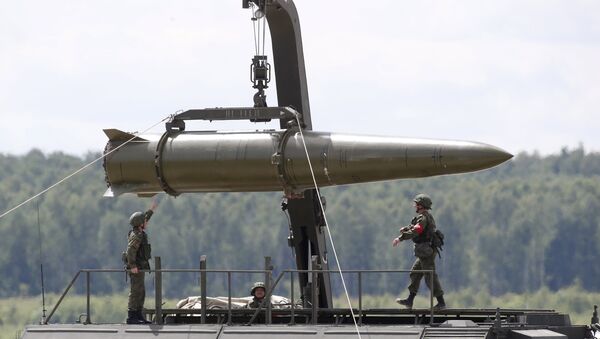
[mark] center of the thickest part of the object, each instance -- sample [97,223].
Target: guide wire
[41,265]
[81,169]
[327,227]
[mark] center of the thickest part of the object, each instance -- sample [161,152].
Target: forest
[530,224]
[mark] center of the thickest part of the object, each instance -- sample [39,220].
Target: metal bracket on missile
[158,165]
[254,114]
[278,159]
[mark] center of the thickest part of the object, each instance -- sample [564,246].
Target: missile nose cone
[490,156]
[498,155]
[475,156]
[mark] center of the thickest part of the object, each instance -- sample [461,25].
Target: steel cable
[254,29]
[80,169]
[327,228]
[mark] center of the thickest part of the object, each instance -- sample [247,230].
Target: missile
[274,160]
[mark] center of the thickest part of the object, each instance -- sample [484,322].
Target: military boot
[441,304]
[142,319]
[408,302]
[132,318]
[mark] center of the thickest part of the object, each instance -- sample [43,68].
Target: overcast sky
[521,75]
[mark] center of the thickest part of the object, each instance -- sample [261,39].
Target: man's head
[137,219]
[422,201]
[258,290]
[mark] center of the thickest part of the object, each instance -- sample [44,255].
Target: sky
[520,75]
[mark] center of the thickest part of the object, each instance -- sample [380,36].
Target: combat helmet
[256,285]
[423,200]
[136,219]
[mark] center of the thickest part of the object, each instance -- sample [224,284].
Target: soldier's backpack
[437,241]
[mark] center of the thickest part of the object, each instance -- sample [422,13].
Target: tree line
[528,224]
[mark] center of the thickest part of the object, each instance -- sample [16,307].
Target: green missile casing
[185,162]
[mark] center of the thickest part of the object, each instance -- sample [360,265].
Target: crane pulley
[260,69]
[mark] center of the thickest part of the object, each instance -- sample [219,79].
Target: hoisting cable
[254,28]
[82,168]
[264,24]
[327,227]
[260,70]
[258,24]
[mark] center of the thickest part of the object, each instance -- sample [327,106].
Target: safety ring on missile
[158,165]
[289,189]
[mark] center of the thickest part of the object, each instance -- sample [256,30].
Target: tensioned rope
[327,227]
[80,169]
[258,25]
[149,128]
[254,29]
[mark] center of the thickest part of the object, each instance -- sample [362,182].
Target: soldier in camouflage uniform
[258,292]
[420,231]
[137,256]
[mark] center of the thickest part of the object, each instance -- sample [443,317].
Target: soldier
[421,230]
[258,292]
[137,256]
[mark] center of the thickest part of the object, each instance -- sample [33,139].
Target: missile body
[185,162]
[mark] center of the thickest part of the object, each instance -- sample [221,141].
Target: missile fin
[114,134]
[109,193]
[115,191]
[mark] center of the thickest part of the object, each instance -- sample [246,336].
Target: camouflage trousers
[137,292]
[425,263]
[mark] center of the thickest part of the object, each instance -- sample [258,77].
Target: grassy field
[15,313]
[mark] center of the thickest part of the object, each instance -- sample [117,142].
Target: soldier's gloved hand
[135,270]
[154,204]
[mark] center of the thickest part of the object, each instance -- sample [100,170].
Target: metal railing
[270,288]
[359,273]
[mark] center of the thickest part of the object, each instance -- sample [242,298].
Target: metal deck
[332,323]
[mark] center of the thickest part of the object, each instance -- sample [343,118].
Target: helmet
[136,219]
[258,284]
[423,200]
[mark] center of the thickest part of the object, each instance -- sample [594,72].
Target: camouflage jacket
[138,249]
[254,303]
[426,221]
